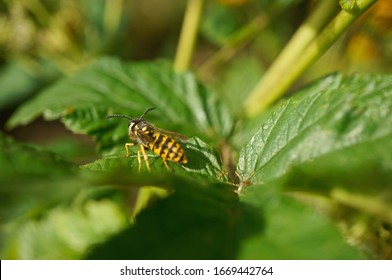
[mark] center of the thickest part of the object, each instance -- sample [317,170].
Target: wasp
[155,139]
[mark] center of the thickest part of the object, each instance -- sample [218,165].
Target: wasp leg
[145,157]
[139,160]
[127,145]
[167,166]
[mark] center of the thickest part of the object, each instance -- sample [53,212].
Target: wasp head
[136,125]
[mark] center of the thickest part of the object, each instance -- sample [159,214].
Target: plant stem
[372,206]
[112,15]
[188,35]
[298,56]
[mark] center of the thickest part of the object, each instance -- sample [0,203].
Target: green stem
[296,58]
[112,15]
[188,35]
[367,204]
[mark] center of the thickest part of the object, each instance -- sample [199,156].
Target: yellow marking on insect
[126,148]
[145,159]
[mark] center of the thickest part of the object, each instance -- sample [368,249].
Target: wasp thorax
[138,130]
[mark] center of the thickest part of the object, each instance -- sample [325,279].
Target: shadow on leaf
[195,222]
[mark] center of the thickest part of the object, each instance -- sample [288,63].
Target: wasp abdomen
[167,148]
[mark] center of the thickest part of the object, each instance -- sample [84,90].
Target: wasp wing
[172,133]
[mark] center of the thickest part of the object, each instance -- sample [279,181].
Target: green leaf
[356,169]
[18,158]
[203,160]
[32,179]
[336,115]
[110,86]
[17,84]
[356,178]
[198,221]
[332,138]
[293,230]
[66,232]
[220,23]
[236,80]
[44,200]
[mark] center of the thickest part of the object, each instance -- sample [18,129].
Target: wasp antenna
[145,112]
[119,116]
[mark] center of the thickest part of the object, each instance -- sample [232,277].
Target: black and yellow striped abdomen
[167,148]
